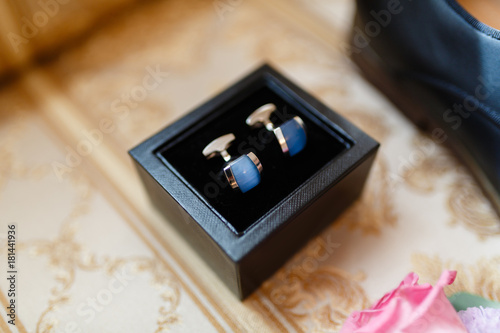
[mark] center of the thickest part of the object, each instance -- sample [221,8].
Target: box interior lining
[281,174]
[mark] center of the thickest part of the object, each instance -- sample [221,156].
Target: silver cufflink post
[219,147]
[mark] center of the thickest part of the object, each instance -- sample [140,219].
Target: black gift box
[245,237]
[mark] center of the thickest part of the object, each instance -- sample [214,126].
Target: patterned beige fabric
[95,256]
[34,30]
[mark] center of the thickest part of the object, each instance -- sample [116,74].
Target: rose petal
[410,308]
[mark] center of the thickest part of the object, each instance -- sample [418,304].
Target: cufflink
[243,172]
[291,135]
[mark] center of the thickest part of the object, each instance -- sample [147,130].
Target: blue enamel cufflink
[291,135]
[242,172]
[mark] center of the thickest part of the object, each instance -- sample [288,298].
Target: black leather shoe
[441,67]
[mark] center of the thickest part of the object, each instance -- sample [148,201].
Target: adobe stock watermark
[362,37]
[460,111]
[454,117]
[120,109]
[223,7]
[253,143]
[93,305]
[30,27]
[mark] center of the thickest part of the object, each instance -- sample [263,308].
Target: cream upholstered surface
[95,256]
[34,30]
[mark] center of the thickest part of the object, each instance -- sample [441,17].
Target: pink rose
[410,308]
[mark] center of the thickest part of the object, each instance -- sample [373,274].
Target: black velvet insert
[281,174]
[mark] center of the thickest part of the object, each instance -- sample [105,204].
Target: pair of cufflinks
[244,172]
